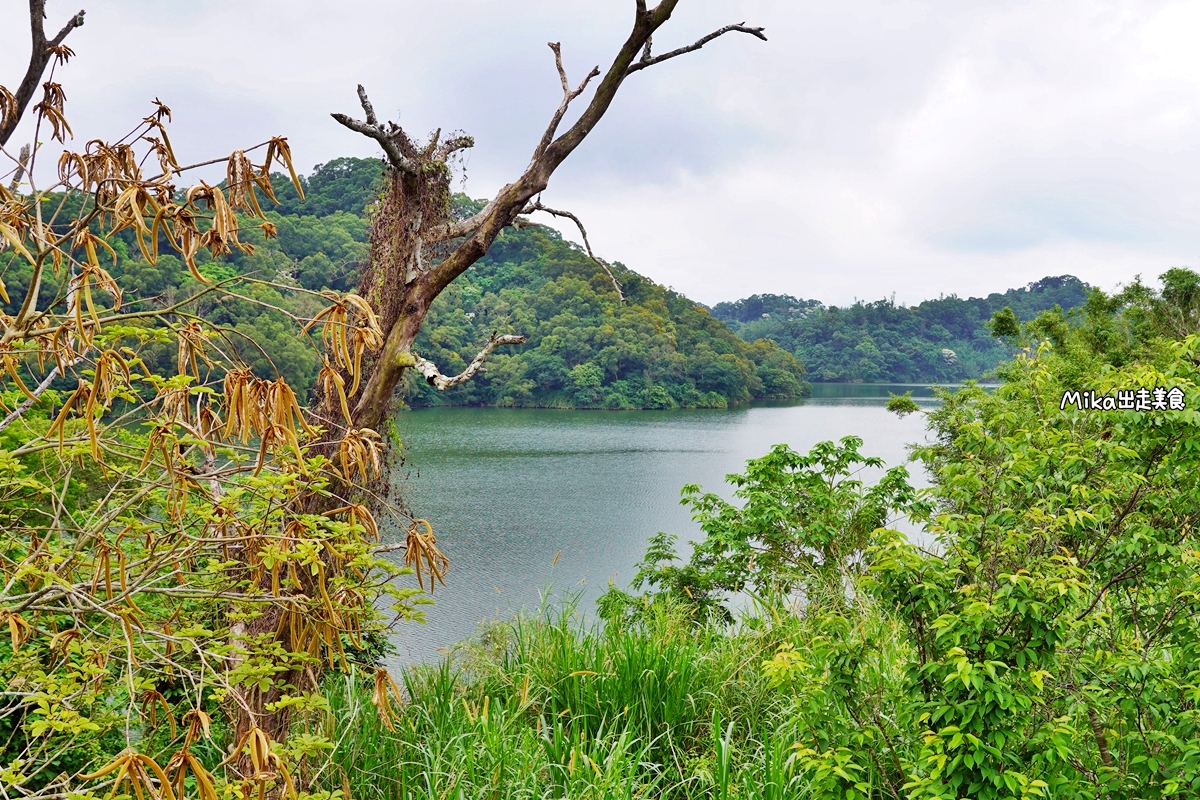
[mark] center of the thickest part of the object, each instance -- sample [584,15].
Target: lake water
[508,490]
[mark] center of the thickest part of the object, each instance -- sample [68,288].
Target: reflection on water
[507,490]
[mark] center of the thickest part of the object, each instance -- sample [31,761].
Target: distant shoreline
[822,390]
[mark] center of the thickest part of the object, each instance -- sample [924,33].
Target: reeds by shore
[550,707]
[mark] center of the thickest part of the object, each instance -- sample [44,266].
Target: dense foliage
[1044,647]
[1047,645]
[193,590]
[937,341]
[585,348]
[184,548]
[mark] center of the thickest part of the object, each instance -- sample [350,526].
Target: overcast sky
[868,148]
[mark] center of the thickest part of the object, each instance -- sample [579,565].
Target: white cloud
[869,147]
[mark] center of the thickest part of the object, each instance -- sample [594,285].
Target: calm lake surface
[508,489]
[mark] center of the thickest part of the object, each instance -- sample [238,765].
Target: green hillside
[938,341]
[584,349]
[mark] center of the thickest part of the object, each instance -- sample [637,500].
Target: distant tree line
[585,348]
[938,341]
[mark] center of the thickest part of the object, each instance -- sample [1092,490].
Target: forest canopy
[585,347]
[937,341]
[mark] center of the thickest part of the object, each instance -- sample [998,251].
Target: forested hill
[938,341]
[584,349]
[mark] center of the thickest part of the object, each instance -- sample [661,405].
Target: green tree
[804,521]
[1004,324]
[883,341]
[1045,646]
[649,342]
[585,381]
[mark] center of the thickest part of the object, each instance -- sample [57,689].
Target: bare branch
[395,158]
[29,401]
[537,206]
[647,61]
[440,382]
[211,161]
[562,73]
[568,96]
[22,163]
[465,227]
[372,129]
[453,145]
[39,57]
[368,109]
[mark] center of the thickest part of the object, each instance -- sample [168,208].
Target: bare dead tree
[414,224]
[12,107]
[403,277]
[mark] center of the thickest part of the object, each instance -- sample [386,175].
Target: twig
[537,206]
[372,129]
[453,145]
[29,401]
[22,162]
[207,163]
[568,96]
[647,61]
[1130,571]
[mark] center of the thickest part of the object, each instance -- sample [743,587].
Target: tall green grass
[549,707]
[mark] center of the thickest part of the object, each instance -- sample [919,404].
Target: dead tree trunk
[417,248]
[404,276]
